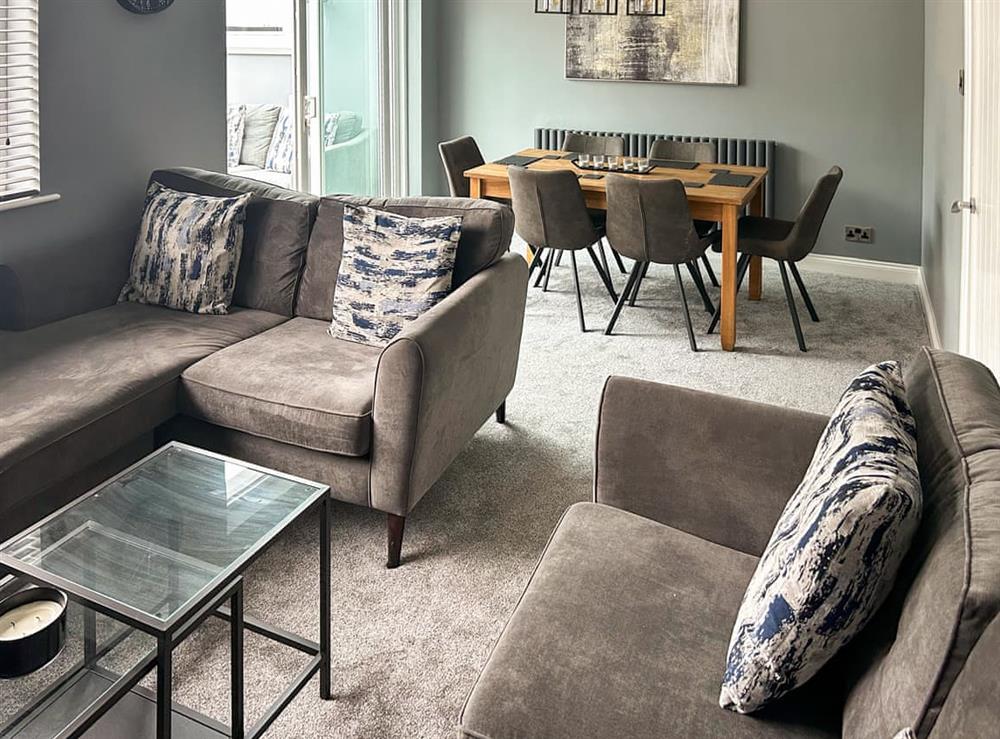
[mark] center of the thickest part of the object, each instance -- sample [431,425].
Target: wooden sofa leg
[502,413]
[395,529]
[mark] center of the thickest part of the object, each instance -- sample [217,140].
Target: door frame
[978,317]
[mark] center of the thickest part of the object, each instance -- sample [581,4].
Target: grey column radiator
[751,152]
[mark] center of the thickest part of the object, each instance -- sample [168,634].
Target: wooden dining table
[720,203]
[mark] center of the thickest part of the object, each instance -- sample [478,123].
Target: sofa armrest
[441,378]
[715,466]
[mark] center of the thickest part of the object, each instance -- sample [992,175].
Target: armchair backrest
[650,220]
[802,238]
[457,156]
[275,235]
[583,143]
[920,652]
[689,151]
[549,208]
[487,227]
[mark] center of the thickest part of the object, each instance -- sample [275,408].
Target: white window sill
[25,202]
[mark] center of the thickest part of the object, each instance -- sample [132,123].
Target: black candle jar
[20,655]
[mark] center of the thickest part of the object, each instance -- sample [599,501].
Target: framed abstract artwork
[685,41]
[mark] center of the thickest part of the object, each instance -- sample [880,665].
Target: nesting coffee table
[151,554]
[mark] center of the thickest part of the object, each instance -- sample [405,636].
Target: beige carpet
[408,643]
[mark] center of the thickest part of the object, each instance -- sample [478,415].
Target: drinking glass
[643,164]
[628,164]
[612,162]
[598,160]
[584,160]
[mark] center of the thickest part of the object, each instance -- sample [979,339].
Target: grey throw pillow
[393,270]
[258,129]
[187,252]
[835,551]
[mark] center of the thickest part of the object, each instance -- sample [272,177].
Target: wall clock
[145,7]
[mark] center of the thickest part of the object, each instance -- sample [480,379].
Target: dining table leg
[756,265]
[727,326]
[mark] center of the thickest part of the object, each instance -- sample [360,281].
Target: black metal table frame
[173,632]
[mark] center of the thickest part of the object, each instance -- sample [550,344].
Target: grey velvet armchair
[650,221]
[550,214]
[457,156]
[787,242]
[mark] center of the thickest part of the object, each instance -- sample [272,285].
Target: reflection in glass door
[349,96]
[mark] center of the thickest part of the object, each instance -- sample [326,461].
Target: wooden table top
[721,194]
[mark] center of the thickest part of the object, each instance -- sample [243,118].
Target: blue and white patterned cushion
[393,270]
[235,119]
[341,127]
[187,252]
[282,148]
[835,550]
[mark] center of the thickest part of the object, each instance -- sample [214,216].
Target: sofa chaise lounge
[624,625]
[83,397]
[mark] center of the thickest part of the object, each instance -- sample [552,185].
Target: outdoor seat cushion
[622,631]
[293,384]
[74,391]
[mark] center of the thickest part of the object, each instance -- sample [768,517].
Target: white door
[980,313]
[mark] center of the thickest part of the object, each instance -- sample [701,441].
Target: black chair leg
[604,257]
[502,412]
[549,266]
[544,268]
[638,284]
[741,270]
[805,293]
[618,259]
[791,307]
[603,273]
[559,258]
[684,302]
[576,285]
[632,278]
[536,261]
[711,272]
[700,284]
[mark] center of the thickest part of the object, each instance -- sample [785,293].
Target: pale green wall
[943,134]
[834,81]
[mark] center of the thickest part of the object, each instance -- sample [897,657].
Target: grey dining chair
[459,155]
[690,151]
[583,143]
[550,214]
[650,221]
[787,242]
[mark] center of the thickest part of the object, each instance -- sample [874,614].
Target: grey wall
[943,136]
[121,94]
[835,82]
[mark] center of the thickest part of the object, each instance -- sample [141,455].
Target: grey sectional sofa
[624,625]
[83,397]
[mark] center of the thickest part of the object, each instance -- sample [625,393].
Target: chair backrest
[549,209]
[688,151]
[583,143]
[459,155]
[911,664]
[275,235]
[649,220]
[802,238]
[486,230]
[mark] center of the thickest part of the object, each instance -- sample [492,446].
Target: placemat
[517,160]
[674,164]
[731,180]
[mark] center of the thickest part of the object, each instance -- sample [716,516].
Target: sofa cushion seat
[74,391]
[622,631]
[293,384]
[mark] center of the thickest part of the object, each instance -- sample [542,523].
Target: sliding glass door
[350,130]
[360,128]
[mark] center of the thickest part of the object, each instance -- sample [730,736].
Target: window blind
[19,156]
